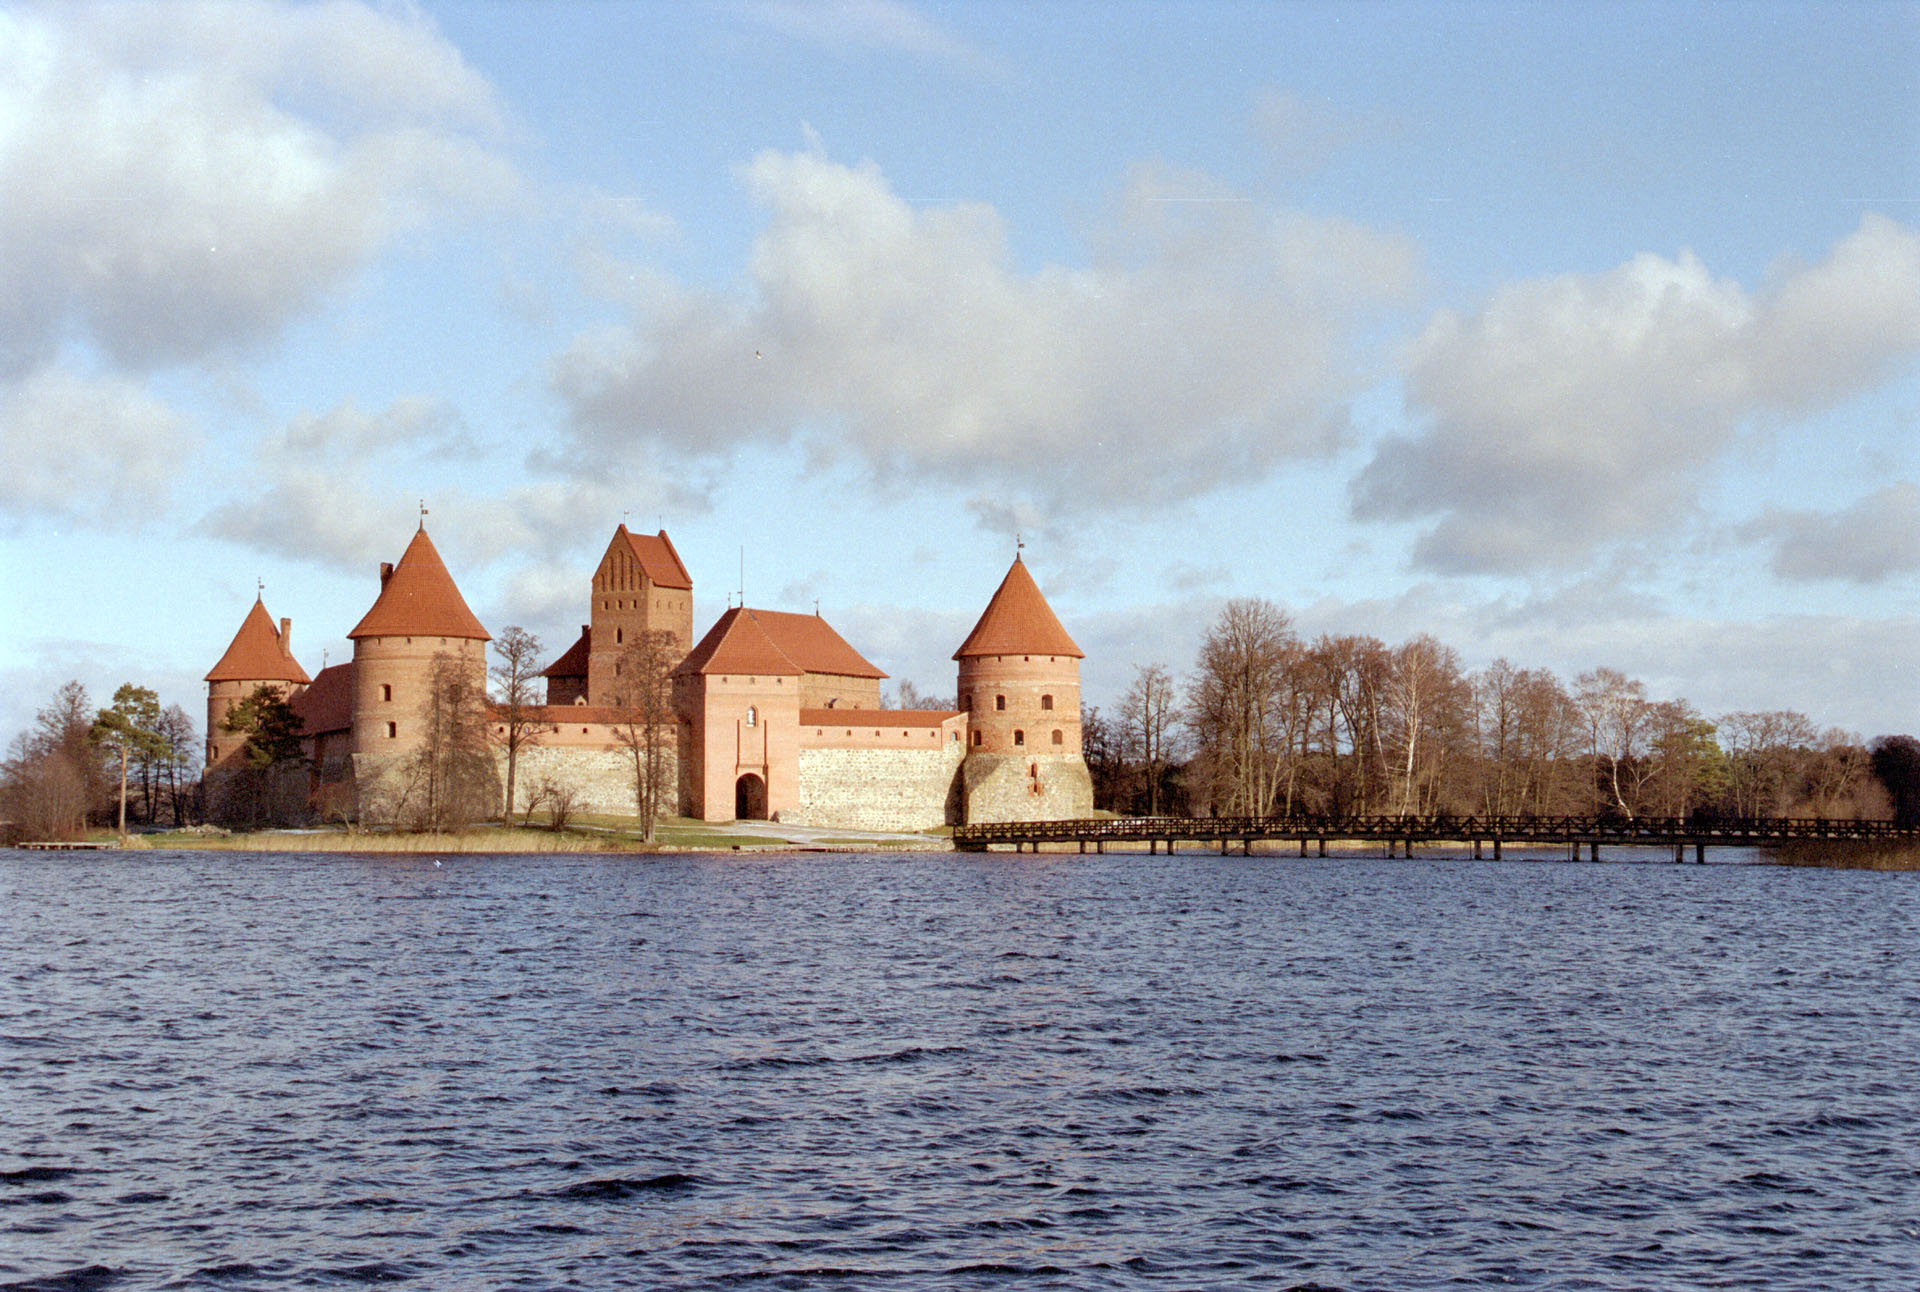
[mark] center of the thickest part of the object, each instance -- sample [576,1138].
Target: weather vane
[423,513]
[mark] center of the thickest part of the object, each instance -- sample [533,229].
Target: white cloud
[184,179]
[1569,413]
[1209,342]
[98,449]
[1875,539]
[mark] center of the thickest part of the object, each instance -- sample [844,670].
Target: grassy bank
[1850,854]
[583,834]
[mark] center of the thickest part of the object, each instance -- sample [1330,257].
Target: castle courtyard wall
[879,789]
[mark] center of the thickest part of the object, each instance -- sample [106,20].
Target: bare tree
[515,675]
[646,723]
[1423,705]
[181,738]
[908,696]
[1148,723]
[1764,751]
[1236,703]
[1615,711]
[450,780]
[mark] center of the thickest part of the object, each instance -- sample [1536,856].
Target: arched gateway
[750,798]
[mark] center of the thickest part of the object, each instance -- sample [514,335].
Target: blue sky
[1580,335]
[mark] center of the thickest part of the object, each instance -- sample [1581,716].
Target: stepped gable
[574,662]
[257,653]
[327,705]
[738,644]
[419,599]
[657,557]
[811,642]
[1018,621]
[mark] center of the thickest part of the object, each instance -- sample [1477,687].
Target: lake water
[950,1071]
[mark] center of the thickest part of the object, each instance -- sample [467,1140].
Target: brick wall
[879,789]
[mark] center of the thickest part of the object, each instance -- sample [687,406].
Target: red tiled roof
[1018,621]
[876,717]
[419,599]
[327,705]
[574,662]
[257,654]
[738,643]
[657,558]
[811,642]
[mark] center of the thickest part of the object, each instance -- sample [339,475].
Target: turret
[259,655]
[1019,683]
[418,618]
[640,586]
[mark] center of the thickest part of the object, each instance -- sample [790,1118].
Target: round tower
[1019,683]
[418,621]
[260,655]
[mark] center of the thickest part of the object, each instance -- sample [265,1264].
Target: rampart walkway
[1404,832]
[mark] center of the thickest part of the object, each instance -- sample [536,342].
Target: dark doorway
[750,798]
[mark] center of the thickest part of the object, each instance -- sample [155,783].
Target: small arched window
[753,715]
[393,729]
[1059,739]
[999,702]
[1019,737]
[1046,702]
[976,739]
[386,691]
[619,636]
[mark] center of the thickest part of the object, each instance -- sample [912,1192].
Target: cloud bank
[1569,413]
[1208,341]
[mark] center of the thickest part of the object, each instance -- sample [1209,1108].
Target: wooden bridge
[1486,834]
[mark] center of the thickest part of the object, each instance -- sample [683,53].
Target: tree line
[131,762]
[1271,723]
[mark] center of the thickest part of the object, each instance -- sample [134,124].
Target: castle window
[976,739]
[956,737]
[393,730]
[1046,702]
[1019,737]
[1059,739]
[619,636]
[386,691]
[1000,702]
[753,715]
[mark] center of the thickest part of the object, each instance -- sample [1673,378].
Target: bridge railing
[1604,828]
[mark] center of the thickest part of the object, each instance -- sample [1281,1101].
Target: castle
[771,715]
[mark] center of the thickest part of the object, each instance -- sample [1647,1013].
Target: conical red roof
[419,599]
[1018,621]
[256,654]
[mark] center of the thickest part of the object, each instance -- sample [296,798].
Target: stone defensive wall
[1033,787]
[600,778]
[897,788]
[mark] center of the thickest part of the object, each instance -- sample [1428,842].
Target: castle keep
[770,715]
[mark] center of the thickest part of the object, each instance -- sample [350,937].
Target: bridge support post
[1496,850]
[1083,847]
[1223,847]
[1323,847]
[1100,847]
[1476,850]
[1679,853]
[1153,847]
[1593,851]
[1700,853]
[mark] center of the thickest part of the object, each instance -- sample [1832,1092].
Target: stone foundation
[879,789]
[1030,787]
